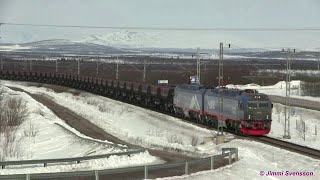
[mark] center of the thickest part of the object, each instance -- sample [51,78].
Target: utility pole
[30,65]
[220,136]
[286,134]
[1,63]
[198,67]
[1,55]
[318,66]
[56,65]
[144,71]
[220,121]
[97,68]
[78,66]
[117,69]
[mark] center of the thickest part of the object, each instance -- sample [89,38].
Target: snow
[150,129]
[129,123]
[96,164]
[310,73]
[311,118]
[278,89]
[12,47]
[254,158]
[44,136]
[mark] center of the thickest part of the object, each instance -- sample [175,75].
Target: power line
[173,28]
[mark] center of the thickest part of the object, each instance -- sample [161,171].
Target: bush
[13,112]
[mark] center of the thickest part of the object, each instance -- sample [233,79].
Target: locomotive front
[257,109]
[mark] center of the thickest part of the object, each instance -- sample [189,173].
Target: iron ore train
[243,111]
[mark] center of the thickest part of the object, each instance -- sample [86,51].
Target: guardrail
[75,159]
[140,172]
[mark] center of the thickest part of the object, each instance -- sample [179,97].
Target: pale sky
[165,13]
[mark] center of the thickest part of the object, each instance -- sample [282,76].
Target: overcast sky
[166,13]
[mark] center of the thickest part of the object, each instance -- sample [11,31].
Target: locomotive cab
[257,113]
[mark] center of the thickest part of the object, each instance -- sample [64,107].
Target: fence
[3,164]
[142,172]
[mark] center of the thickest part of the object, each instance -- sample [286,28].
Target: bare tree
[302,129]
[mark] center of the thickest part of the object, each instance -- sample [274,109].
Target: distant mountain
[62,46]
[124,39]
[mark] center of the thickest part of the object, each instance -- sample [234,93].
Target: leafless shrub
[92,101]
[137,140]
[14,112]
[9,145]
[302,129]
[155,132]
[40,112]
[194,140]
[104,108]
[1,93]
[123,110]
[175,139]
[30,131]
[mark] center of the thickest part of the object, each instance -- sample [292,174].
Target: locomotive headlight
[267,116]
[249,116]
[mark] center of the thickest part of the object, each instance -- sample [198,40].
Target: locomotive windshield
[255,105]
[263,105]
[252,105]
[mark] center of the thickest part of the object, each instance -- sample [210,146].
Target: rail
[3,164]
[147,171]
[314,153]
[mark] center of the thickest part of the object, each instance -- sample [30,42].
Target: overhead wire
[171,28]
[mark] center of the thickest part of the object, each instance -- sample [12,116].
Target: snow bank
[44,136]
[256,158]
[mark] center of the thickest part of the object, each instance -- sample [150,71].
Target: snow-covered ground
[129,123]
[278,89]
[299,117]
[256,159]
[294,72]
[150,129]
[12,47]
[42,136]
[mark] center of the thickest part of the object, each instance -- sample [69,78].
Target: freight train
[243,111]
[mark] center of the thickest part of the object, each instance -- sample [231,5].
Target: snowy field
[310,73]
[304,126]
[278,89]
[150,129]
[41,136]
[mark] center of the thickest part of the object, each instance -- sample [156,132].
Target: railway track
[314,153]
[263,139]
